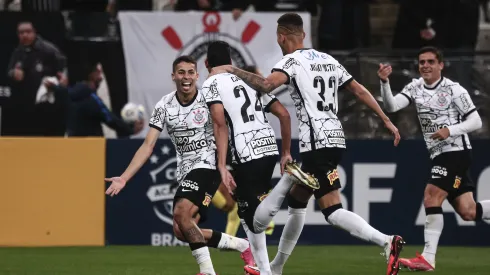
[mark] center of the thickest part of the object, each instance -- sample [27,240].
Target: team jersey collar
[190,102]
[433,85]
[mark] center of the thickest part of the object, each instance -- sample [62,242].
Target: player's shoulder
[415,83]
[166,99]
[451,86]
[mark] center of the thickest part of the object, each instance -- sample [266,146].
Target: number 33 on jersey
[314,79]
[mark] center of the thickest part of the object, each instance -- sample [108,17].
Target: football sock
[233,221]
[289,238]
[483,210]
[434,223]
[201,253]
[268,208]
[259,249]
[219,200]
[225,241]
[354,224]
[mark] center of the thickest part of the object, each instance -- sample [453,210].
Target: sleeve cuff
[284,72]
[156,127]
[214,102]
[268,106]
[468,113]
[409,99]
[345,83]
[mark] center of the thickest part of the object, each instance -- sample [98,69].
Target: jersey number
[244,110]
[318,82]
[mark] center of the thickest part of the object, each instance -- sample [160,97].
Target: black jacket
[87,112]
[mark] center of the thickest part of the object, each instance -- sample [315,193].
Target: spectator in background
[344,25]
[87,111]
[31,62]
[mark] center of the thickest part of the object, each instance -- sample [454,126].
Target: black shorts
[199,187]
[323,164]
[450,172]
[253,180]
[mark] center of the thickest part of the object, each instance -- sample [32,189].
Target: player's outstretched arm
[278,110]
[367,98]
[140,157]
[391,103]
[221,137]
[259,83]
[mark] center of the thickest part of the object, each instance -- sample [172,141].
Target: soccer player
[314,79]
[190,125]
[225,202]
[252,142]
[446,114]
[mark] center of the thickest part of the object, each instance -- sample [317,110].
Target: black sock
[215,238]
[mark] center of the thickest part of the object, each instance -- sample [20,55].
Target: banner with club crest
[152,40]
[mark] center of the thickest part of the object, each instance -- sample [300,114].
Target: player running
[314,79]
[446,114]
[190,127]
[252,142]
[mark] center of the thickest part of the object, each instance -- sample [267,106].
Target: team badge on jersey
[442,99]
[457,182]
[199,116]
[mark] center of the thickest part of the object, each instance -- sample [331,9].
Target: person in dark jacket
[87,111]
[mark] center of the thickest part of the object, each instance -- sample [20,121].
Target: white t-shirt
[251,136]
[314,79]
[191,130]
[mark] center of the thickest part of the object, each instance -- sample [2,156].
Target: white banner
[152,40]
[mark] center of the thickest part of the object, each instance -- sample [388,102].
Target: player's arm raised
[367,98]
[278,110]
[391,103]
[140,157]
[259,83]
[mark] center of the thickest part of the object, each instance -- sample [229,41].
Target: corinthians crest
[198,45]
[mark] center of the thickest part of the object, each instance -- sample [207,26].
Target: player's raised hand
[384,71]
[220,69]
[394,131]
[284,160]
[441,134]
[117,185]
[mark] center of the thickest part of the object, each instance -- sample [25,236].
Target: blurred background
[69,67]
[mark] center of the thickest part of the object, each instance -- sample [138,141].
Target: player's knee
[229,206]
[467,213]
[295,203]
[330,210]
[177,233]
[181,213]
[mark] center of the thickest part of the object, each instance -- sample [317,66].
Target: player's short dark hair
[88,67]
[218,54]
[291,21]
[250,69]
[21,22]
[434,50]
[183,58]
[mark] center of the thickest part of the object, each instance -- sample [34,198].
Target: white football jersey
[251,136]
[447,103]
[190,128]
[314,79]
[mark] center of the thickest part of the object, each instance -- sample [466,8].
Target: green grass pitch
[306,260]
